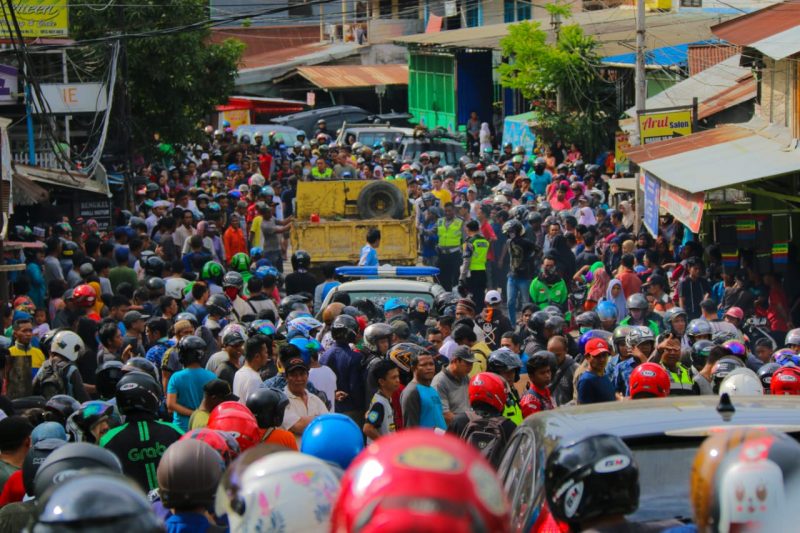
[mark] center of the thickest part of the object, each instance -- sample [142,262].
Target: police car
[379,284]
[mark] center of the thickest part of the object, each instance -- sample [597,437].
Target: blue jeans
[517,287]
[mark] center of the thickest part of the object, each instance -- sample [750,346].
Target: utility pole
[640,81]
[555,23]
[124,132]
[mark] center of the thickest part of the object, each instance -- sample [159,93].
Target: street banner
[664,125]
[652,193]
[517,131]
[621,144]
[39,19]
[69,98]
[683,205]
[237,117]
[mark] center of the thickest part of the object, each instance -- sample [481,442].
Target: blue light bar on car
[386,271]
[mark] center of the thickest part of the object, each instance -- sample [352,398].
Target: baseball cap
[394,303]
[493,297]
[132,316]
[596,347]
[48,430]
[463,353]
[219,388]
[295,363]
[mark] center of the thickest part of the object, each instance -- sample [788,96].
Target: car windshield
[664,471]
[450,152]
[369,138]
[379,298]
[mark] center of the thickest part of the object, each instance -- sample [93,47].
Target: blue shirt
[199,311]
[430,414]
[369,256]
[539,182]
[187,523]
[187,384]
[595,389]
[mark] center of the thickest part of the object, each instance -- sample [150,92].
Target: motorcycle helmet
[488,388]
[188,474]
[240,262]
[154,266]
[175,288]
[212,271]
[672,314]
[224,443]
[722,368]
[536,323]
[504,360]
[374,333]
[786,356]
[68,345]
[290,303]
[219,305]
[765,374]
[301,260]
[268,406]
[587,320]
[187,316]
[699,327]
[81,423]
[138,392]
[344,328]
[512,228]
[191,349]
[593,334]
[70,461]
[741,382]
[403,354]
[140,364]
[62,406]
[235,418]
[793,338]
[638,335]
[649,380]
[106,377]
[334,438]
[785,380]
[606,311]
[38,452]
[84,295]
[233,279]
[700,352]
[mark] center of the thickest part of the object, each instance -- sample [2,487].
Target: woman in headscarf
[485,136]
[585,214]
[599,284]
[628,215]
[615,295]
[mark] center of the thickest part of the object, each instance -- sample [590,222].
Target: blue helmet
[606,310]
[307,347]
[594,334]
[333,438]
[256,252]
[264,272]
[303,325]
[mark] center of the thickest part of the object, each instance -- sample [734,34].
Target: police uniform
[449,248]
[681,381]
[473,270]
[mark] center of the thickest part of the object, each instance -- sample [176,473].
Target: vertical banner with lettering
[652,193]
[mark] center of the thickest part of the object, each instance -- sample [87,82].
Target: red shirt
[13,490]
[488,233]
[631,284]
[265,165]
[535,400]
[777,298]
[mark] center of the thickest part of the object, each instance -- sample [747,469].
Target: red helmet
[407,478]
[222,441]
[529,405]
[785,380]
[84,295]
[735,312]
[488,388]
[238,421]
[650,378]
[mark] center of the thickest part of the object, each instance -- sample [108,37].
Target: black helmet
[672,314]
[589,319]
[555,324]
[97,501]
[301,259]
[218,305]
[541,359]
[637,300]
[513,228]
[188,316]
[36,456]
[503,360]
[47,340]
[268,405]
[188,474]
[594,477]
[375,332]
[344,328]
[765,375]
[553,310]
[536,322]
[69,460]
[519,212]
[443,300]
[140,364]
[191,349]
[137,391]
[62,406]
[700,351]
[535,217]
[722,368]
[290,303]
[156,285]
[233,279]
[106,377]
[154,266]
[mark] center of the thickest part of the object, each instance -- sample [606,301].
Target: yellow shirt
[36,355]
[443,195]
[255,230]
[199,419]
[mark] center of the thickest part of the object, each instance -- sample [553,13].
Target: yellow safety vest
[449,236]
[480,249]
[316,174]
[680,380]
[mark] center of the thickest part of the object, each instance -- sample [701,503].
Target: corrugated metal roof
[614,29]
[703,56]
[774,30]
[722,157]
[352,76]
[266,67]
[717,88]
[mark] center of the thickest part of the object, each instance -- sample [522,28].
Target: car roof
[390,284]
[323,111]
[423,140]
[676,416]
[264,128]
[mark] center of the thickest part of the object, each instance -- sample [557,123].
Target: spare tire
[381,199]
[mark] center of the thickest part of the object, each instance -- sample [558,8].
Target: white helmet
[283,479]
[257,180]
[174,287]
[67,344]
[216,174]
[742,382]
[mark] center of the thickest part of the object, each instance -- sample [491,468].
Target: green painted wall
[431,89]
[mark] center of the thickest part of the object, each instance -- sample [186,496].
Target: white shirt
[447,347]
[324,379]
[245,382]
[298,409]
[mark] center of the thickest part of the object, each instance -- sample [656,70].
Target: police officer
[140,442]
[450,230]
[473,268]
[681,378]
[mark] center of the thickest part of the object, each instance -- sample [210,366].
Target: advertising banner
[665,125]
[652,190]
[683,205]
[39,19]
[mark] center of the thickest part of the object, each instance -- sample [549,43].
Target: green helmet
[212,271]
[240,262]
[516,159]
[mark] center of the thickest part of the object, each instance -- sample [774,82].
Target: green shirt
[122,274]
[6,469]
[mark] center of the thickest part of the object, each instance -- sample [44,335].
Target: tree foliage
[174,79]
[540,69]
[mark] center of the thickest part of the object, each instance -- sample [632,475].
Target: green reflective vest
[449,236]
[326,175]
[480,249]
[681,382]
[513,411]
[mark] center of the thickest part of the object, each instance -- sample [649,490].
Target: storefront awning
[722,157]
[96,183]
[353,76]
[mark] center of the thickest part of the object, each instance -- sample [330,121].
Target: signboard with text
[652,190]
[97,208]
[237,117]
[621,144]
[665,125]
[69,98]
[685,206]
[39,19]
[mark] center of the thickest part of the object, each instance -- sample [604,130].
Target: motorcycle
[755,328]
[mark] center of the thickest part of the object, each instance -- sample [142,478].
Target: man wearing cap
[394,309]
[15,441]
[134,329]
[303,407]
[492,321]
[452,383]
[594,386]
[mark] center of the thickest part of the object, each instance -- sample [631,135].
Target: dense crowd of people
[173,355]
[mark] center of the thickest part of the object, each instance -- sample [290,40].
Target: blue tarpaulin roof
[668,56]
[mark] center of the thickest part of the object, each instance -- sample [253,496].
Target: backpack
[486,434]
[50,381]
